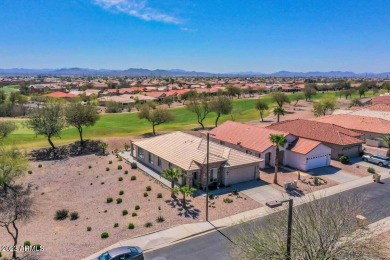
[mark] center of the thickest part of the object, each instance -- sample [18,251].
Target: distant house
[122,99]
[188,153]
[342,141]
[385,99]
[60,95]
[42,88]
[299,153]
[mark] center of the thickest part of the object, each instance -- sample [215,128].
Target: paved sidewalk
[168,236]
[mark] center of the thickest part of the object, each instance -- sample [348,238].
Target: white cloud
[186,29]
[137,8]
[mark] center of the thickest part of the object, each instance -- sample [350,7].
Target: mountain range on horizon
[140,72]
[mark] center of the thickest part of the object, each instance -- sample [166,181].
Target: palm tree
[185,191]
[279,111]
[277,140]
[386,138]
[173,175]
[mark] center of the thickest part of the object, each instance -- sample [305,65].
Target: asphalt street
[217,244]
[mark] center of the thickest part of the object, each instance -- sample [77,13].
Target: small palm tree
[103,146]
[277,140]
[185,191]
[279,111]
[386,138]
[173,175]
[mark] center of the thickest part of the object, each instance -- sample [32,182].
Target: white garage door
[240,175]
[317,161]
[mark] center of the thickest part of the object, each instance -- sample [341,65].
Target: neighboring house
[122,99]
[372,128]
[41,88]
[189,154]
[379,111]
[299,153]
[60,95]
[340,140]
[384,99]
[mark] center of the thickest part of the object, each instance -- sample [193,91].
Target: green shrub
[160,219]
[131,226]
[120,159]
[120,179]
[74,215]
[137,207]
[27,243]
[116,225]
[109,162]
[228,200]
[148,224]
[148,188]
[235,192]
[124,212]
[89,228]
[134,214]
[211,196]
[316,181]
[104,235]
[146,194]
[118,201]
[133,178]
[159,195]
[109,200]
[61,214]
[121,192]
[107,169]
[40,166]
[126,172]
[371,170]
[133,165]
[119,167]
[29,172]
[344,159]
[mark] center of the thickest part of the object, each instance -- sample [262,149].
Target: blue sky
[212,35]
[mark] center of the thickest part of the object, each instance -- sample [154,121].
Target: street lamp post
[207,176]
[289,227]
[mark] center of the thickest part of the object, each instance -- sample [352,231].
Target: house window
[150,158]
[194,175]
[158,161]
[169,165]
[213,175]
[222,142]
[140,152]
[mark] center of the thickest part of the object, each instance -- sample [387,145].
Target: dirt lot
[285,176]
[72,185]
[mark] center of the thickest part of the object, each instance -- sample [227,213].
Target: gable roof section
[248,136]
[303,145]
[359,123]
[319,131]
[187,151]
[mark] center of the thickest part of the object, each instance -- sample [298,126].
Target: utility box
[361,221]
[377,177]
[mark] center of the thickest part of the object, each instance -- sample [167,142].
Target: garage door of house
[233,176]
[317,161]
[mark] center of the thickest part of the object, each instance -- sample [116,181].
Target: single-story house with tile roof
[384,99]
[379,111]
[60,95]
[122,99]
[300,153]
[340,140]
[188,153]
[372,128]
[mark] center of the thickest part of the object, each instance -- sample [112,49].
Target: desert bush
[107,169]
[27,243]
[118,201]
[148,224]
[40,166]
[74,215]
[235,192]
[211,196]
[119,167]
[159,195]
[228,200]
[148,188]
[160,219]
[133,165]
[116,225]
[133,178]
[89,228]
[137,207]
[124,212]
[120,179]
[344,159]
[146,194]
[90,166]
[109,200]
[29,172]
[120,159]
[371,170]
[110,162]
[121,192]
[134,214]
[126,172]
[61,214]
[104,235]
[131,226]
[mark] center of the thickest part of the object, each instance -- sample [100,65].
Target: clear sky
[201,35]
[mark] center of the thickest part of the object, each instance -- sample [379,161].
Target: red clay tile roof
[60,95]
[381,100]
[248,136]
[379,107]
[323,132]
[359,123]
[303,146]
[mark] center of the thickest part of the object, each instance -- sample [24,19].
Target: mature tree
[79,115]
[321,229]
[279,111]
[47,121]
[326,103]
[233,91]
[297,98]
[201,108]
[168,101]
[172,174]
[15,207]
[356,103]
[6,127]
[221,105]
[280,98]
[363,88]
[155,116]
[12,166]
[261,106]
[3,96]
[185,191]
[386,138]
[189,95]
[309,92]
[348,92]
[277,140]
[15,97]
[386,86]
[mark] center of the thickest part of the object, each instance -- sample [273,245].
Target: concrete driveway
[334,173]
[259,191]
